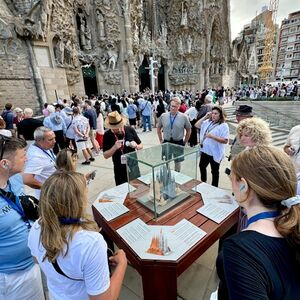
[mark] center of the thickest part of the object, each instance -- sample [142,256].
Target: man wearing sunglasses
[19,277]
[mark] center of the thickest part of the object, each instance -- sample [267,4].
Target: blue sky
[243,11]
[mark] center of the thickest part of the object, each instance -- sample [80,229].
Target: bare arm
[216,138]
[139,146]
[200,121]
[109,153]
[119,260]
[159,133]
[187,135]
[29,180]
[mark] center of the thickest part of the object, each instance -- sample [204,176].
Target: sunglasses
[3,140]
[73,153]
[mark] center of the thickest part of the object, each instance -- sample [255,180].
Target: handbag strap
[70,124]
[144,106]
[61,272]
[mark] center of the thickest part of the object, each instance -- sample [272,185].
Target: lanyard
[210,127]
[263,215]
[14,205]
[172,120]
[51,154]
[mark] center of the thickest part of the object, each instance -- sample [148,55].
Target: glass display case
[161,174]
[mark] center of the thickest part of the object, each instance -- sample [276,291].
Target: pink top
[46,112]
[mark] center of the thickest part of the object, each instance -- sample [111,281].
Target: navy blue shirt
[91,115]
[8,117]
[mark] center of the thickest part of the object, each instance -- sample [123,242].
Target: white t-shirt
[192,113]
[294,140]
[210,146]
[86,259]
[298,184]
[41,163]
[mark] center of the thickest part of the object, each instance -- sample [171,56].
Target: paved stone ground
[200,279]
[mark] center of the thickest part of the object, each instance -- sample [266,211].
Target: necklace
[263,215]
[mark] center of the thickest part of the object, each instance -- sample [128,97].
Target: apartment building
[249,48]
[288,55]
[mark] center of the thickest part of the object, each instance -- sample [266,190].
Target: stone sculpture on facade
[112,57]
[100,24]
[59,52]
[189,44]
[189,38]
[184,14]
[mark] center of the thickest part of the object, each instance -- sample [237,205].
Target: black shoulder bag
[30,204]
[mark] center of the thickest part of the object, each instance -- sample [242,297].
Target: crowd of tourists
[260,261]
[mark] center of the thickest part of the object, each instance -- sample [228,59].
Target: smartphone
[93,175]
[227,171]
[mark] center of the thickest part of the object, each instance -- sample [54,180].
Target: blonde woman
[263,261]
[67,245]
[254,132]
[66,160]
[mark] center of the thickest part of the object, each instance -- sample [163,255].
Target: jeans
[147,119]
[204,161]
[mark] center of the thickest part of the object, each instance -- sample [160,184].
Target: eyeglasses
[3,140]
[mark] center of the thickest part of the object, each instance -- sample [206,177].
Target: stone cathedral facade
[55,48]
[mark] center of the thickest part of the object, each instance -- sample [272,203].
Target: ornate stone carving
[59,51]
[113,78]
[183,79]
[100,24]
[84,33]
[184,73]
[5,32]
[73,76]
[184,14]
[188,37]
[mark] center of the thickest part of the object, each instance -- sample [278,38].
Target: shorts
[25,285]
[132,122]
[82,145]
[92,134]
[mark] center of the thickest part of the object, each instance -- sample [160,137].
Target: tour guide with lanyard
[210,127]
[118,137]
[172,120]
[50,153]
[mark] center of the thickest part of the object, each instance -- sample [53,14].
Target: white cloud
[243,11]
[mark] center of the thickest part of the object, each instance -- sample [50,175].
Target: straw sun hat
[114,120]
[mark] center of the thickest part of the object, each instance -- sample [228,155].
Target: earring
[242,187]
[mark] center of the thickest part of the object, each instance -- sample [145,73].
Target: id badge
[123,159]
